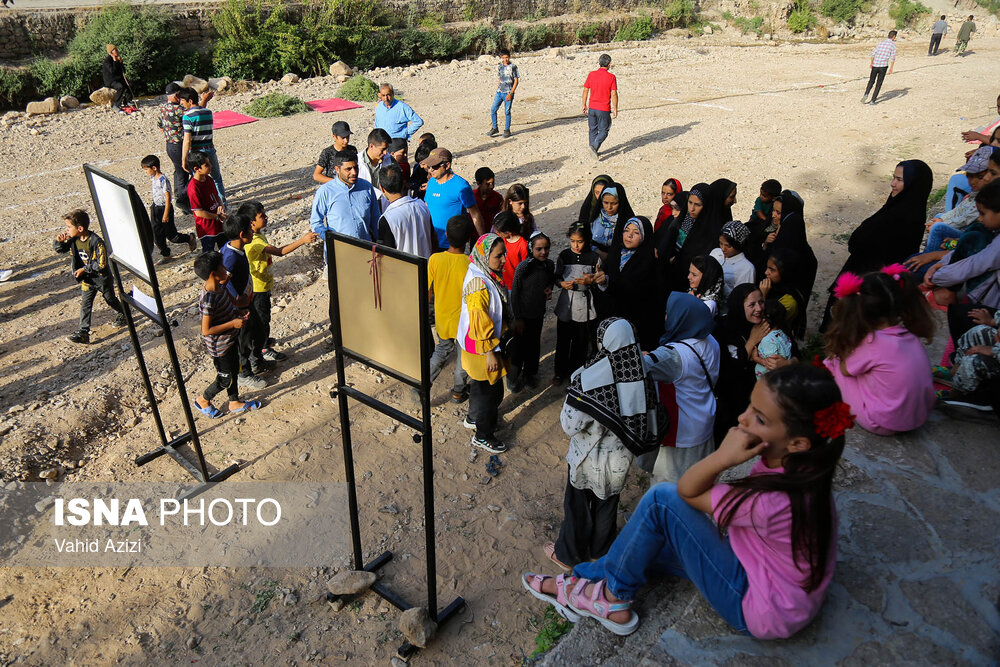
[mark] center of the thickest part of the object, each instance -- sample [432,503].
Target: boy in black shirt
[90,268]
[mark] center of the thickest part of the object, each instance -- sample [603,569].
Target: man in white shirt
[375,156]
[406,222]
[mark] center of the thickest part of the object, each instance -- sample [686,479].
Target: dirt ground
[695,109]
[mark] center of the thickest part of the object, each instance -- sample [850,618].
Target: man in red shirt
[602,88]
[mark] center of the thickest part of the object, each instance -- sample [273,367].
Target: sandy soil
[692,109]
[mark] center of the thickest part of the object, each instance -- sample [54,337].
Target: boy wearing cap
[981,170]
[448,195]
[325,170]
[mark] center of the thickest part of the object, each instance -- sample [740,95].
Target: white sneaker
[6,274]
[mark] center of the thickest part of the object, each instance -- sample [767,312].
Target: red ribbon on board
[373,271]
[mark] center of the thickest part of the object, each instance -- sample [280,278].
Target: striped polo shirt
[198,121]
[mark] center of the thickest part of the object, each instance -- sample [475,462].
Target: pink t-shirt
[889,388]
[775,605]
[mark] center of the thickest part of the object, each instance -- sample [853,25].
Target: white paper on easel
[144,300]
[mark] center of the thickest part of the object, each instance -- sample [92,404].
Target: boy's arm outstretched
[281,251]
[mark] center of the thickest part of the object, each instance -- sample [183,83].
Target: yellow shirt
[260,263]
[482,331]
[445,274]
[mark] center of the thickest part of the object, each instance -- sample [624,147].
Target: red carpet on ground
[222,119]
[333,104]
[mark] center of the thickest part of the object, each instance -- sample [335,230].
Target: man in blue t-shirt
[448,195]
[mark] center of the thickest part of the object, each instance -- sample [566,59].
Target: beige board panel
[390,336]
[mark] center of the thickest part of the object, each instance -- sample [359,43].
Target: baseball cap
[342,129]
[172,88]
[436,157]
[979,161]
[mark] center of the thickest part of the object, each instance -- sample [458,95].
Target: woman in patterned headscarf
[736,268]
[482,325]
[611,413]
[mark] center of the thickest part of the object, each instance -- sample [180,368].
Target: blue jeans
[665,535]
[216,173]
[498,99]
[958,187]
[600,125]
[939,232]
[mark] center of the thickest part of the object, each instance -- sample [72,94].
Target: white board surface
[120,224]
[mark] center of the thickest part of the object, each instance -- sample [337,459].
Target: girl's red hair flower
[847,284]
[895,270]
[833,421]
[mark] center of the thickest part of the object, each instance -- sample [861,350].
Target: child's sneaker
[492,445]
[273,355]
[79,337]
[120,321]
[976,401]
[166,259]
[261,367]
[469,424]
[251,382]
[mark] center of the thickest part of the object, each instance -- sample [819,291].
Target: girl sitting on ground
[736,268]
[705,281]
[874,351]
[509,229]
[761,549]
[611,413]
[776,343]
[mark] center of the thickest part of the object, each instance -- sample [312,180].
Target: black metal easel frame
[421,426]
[197,469]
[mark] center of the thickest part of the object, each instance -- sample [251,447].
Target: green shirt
[965,32]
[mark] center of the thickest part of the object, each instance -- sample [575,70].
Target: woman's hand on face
[739,446]
[492,362]
[980,316]
[765,286]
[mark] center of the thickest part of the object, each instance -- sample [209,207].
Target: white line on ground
[711,106]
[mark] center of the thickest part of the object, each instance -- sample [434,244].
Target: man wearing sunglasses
[448,195]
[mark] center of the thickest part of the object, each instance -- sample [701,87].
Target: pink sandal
[598,607]
[549,548]
[533,584]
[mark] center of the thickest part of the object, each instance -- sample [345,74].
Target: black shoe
[976,401]
[492,445]
[531,381]
[261,367]
[79,337]
[459,396]
[506,134]
[120,321]
[493,132]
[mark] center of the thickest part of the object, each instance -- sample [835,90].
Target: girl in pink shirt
[874,351]
[765,563]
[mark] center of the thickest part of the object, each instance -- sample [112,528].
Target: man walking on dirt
[964,35]
[939,30]
[602,88]
[883,60]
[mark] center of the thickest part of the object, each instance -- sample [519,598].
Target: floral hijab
[480,258]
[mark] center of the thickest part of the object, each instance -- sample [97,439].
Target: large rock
[342,78]
[416,625]
[191,81]
[102,96]
[350,582]
[290,78]
[68,102]
[220,84]
[340,68]
[48,105]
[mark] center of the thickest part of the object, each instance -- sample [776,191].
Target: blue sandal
[211,411]
[248,406]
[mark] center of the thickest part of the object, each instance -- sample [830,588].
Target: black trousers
[260,307]
[164,231]
[589,526]
[875,79]
[227,367]
[935,43]
[484,406]
[107,290]
[527,348]
[250,341]
[573,340]
[181,177]
[122,95]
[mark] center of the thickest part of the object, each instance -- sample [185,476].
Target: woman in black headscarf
[791,236]
[722,193]
[738,334]
[687,238]
[633,285]
[591,206]
[892,233]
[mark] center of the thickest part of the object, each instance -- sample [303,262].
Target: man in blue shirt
[346,204]
[448,195]
[395,117]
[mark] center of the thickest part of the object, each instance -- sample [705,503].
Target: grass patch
[842,11]
[745,24]
[274,105]
[637,30]
[681,13]
[802,17]
[359,88]
[263,597]
[905,12]
[937,196]
[587,34]
[553,628]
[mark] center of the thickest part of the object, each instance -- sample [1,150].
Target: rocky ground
[692,109]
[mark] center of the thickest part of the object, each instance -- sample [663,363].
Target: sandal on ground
[550,551]
[211,411]
[533,584]
[598,607]
[248,406]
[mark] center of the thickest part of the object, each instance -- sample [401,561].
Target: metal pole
[428,446]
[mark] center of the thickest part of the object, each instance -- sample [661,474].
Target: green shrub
[472,10]
[16,86]
[587,34]
[746,25]
[274,105]
[481,39]
[802,17]
[147,42]
[535,37]
[359,88]
[906,11]
[842,11]
[637,30]
[680,13]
